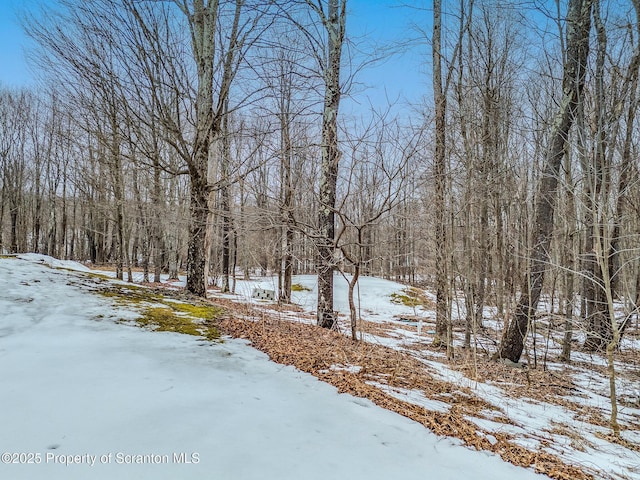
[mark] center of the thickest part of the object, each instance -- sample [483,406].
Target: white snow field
[535,424]
[84,397]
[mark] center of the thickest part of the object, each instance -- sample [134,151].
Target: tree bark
[439,172]
[198,212]
[203,23]
[577,49]
[334,22]
[225,206]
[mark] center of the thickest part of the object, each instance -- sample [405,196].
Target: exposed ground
[550,416]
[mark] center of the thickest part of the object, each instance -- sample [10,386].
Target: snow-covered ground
[373,296]
[86,397]
[547,426]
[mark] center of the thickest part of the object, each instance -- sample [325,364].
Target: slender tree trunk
[352,306]
[143,230]
[577,45]
[156,220]
[439,173]
[334,22]
[2,208]
[37,214]
[626,160]
[569,252]
[246,269]
[65,216]
[13,215]
[488,153]
[286,208]
[74,228]
[597,187]
[234,263]
[225,206]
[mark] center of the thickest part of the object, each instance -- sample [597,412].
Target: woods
[207,137]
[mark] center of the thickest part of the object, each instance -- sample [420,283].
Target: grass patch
[205,312]
[164,319]
[297,287]
[412,297]
[100,276]
[131,294]
[162,314]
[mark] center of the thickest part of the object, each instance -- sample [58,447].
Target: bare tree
[332,15]
[375,183]
[15,112]
[441,336]
[577,48]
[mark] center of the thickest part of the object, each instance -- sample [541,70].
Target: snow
[87,397]
[534,420]
[413,396]
[536,425]
[53,262]
[579,444]
[374,294]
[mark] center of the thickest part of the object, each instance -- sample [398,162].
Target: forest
[206,138]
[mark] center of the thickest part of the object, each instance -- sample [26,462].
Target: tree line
[207,136]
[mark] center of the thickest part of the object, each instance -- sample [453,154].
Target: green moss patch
[99,276]
[203,311]
[163,319]
[297,287]
[163,314]
[412,297]
[131,294]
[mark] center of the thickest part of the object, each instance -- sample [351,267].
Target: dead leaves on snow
[316,350]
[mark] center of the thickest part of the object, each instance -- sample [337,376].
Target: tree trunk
[597,188]
[203,26]
[203,23]
[198,212]
[334,22]
[626,160]
[439,172]
[156,222]
[2,208]
[577,49]
[352,305]
[225,206]
[569,251]
[286,207]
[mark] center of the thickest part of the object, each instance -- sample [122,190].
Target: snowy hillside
[553,409]
[85,396]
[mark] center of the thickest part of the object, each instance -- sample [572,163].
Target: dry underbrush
[331,356]
[316,350]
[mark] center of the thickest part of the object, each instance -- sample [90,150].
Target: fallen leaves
[315,350]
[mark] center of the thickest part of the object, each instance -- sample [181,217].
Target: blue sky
[400,78]
[13,67]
